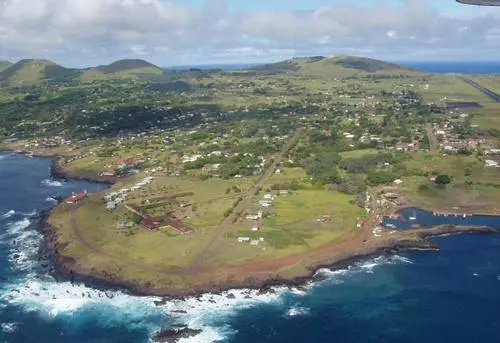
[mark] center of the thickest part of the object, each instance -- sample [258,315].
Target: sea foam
[8,214]
[210,313]
[51,183]
[9,327]
[298,311]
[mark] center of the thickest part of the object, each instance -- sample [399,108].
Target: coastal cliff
[392,242]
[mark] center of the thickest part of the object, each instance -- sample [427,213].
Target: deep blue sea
[466,67]
[463,67]
[450,296]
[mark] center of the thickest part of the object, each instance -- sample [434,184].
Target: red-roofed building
[76,197]
[149,222]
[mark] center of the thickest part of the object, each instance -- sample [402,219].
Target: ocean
[447,296]
[442,67]
[463,67]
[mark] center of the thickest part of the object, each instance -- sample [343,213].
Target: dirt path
[100,251]
[432,137]
[245,203]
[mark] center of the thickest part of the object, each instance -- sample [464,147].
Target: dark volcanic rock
[173,336]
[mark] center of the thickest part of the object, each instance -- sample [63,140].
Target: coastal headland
[196,277]
[254,177]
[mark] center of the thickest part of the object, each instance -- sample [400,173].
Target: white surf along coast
[35,291]
[52,183]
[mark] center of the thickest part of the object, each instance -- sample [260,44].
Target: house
[76,197]
[149,222]
[111,206]
[254,243]
[284,192]
[491,163]
[268,197]
[398,181]
[244,239]
[254,217]
[255,228]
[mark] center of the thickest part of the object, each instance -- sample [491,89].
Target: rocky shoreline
[59,172]
[65,268]
[404,241]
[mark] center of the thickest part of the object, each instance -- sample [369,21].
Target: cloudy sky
[79,33]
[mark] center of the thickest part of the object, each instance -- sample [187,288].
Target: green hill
[348,66]
[130,68]
[4,65]
[338,66]
[34,71]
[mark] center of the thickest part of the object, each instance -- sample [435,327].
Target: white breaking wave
[51,183]
[209,313]
[42,294]
[365,266]
[9,327]
[50,199]
[29,214]
[298,311]
[8,214]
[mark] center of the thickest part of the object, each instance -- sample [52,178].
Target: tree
[443,179]
[380,178]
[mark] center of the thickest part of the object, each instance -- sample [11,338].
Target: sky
[80,33]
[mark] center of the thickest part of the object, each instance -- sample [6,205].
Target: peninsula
[254,177]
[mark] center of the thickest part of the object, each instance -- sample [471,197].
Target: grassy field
[444,88]
[291,227]
[474,187]
[359,153]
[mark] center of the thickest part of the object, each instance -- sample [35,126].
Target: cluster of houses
[124,166]
[451,143]
[118,197]
[48,142]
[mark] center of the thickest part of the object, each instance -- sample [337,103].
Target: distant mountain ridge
[32,71]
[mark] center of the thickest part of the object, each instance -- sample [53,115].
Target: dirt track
[244,204]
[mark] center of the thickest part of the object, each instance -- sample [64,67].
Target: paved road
[245,203]
[484,90]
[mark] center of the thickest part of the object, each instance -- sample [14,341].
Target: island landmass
[250,178]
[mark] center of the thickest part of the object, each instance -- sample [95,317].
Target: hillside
[29,71]
[4,65]
[134,68]
[348,66]
[338,66]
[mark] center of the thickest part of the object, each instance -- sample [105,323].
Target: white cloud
[84,32]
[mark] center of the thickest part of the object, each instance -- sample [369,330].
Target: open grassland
[290,227]
[474,188]
[444,88]
[359,153]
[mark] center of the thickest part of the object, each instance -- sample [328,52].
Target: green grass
[479,190]
[359,153]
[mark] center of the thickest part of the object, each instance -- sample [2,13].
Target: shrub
[443,179]
[380,178]
[136,218]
